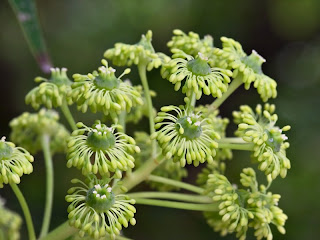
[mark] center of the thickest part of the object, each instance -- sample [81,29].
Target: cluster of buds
[269,140]
[240,209]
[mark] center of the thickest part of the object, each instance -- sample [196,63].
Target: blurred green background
[77,32]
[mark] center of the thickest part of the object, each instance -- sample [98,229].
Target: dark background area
[77,32]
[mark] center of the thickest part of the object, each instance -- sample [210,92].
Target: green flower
[10,223]
[191,43]
[240,209]
[167,169]
[99,149]
[51,92]
[28,129]
[97,211]
[269,140]
[140,53]
[186,138]
[103,91]
[198,75]
[14,162]
[248,66]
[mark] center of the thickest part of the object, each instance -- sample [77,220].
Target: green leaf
[26,13]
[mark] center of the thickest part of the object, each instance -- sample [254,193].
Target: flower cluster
[28,129]
[98,149]
[240,209]
[140,53]
[269,140]
[247,66]
[103,91]
[97,211]
[198,75]
[14,162]
[51,92]
[10,223]
[187,138]
[191,43]
[167,168]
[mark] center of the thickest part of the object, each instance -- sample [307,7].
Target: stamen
[198,123]
[103,69]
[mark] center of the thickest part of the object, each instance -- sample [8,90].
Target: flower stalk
[178,184]
[66,111]
[178,205]
[45,142]
[237,82]
[171,196]
[142,68]
[25,209]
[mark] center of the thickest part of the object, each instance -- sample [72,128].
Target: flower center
[101,138]
[100,198]
[145,42]
[189,127]
[254,61]
[59,77]
[275,139]
[199,66]
[5,150]
[106,79]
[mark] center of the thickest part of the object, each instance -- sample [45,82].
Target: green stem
[178,205]
[142,73]
[66,111]
[193,100]
[25,209]
[237,146]
[175,183]
[142,172]
[122,120]
[172,196]
[231,140]
[45,142]
[62,232]
[232,87]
